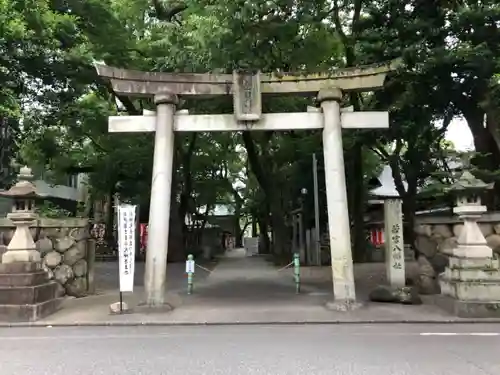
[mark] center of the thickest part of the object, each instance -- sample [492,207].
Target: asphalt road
[240,350]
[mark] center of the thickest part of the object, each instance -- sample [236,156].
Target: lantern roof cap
[468,182]
[387,188]
[24,188]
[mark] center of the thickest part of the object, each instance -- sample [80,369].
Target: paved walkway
[246,290]
[240,278]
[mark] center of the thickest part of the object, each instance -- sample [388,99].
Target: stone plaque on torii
[247,90]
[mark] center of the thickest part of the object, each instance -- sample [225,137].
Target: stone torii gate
[247,90]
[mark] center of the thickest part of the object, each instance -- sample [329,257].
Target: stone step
[468,309]
[470,290]
[20,295]
[30,312]
[474,263]
[20,267]
[477,275]
[23,279]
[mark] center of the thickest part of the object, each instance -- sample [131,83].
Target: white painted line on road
[459,334]
[485,334]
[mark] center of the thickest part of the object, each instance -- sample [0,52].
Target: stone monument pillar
[26,294]
[393,230]
[470,285]
[394,243]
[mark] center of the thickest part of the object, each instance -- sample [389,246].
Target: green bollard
[296,272]
[190,272]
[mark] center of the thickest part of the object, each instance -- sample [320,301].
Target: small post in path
[296,271]
[190,272]
[121,302]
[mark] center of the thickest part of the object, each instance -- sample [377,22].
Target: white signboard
[189,266]
[251,245]
[126,245]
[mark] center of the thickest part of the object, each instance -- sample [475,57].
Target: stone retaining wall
[67,250]
[436,236]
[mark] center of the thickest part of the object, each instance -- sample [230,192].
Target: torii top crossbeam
[147,84]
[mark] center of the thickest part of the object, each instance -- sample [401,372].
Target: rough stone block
[44,246]
[114,308]
[493,241]
[80,268]
[63,273]
[52,259]
[63,244]
[77,287]
[403,295]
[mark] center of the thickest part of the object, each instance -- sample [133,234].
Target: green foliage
[450,54]
[51,210]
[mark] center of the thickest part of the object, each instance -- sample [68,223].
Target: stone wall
[67,250]
[436,236]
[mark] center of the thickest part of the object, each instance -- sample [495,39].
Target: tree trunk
[265,243]
[485,144]
[358,204]
[187,182]
[110,221]
[254,223]
[176,251]
[409,208]
[238,233]
[272,195]
[176,248]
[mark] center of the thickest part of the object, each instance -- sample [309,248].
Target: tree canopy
[57,107]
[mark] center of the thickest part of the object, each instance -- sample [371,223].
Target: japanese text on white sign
[126,245]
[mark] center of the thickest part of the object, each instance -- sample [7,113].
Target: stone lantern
[467,191]
[22,248]
[470,285]
[26,293]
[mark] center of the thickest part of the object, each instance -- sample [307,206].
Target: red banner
[143,237]
[377,237]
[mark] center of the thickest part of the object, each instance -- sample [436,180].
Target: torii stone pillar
[336,197]
[159,211]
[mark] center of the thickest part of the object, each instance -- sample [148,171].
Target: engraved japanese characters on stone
[247,96]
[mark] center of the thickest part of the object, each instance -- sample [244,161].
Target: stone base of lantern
[26,294]
[470,287]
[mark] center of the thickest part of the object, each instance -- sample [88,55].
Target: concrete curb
[243,323]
